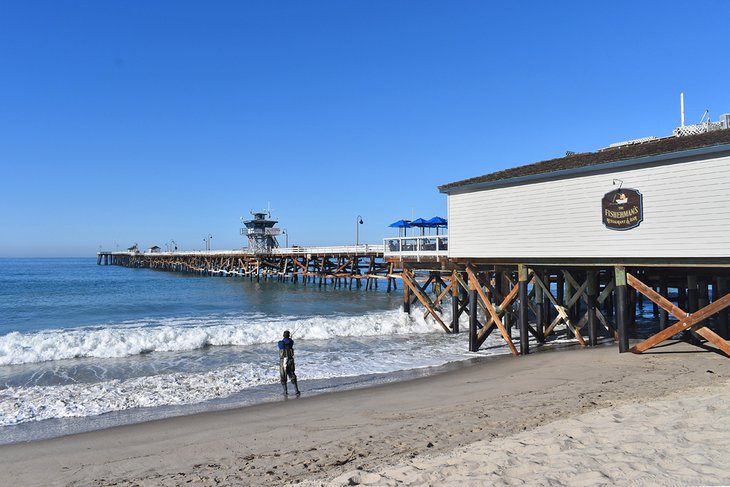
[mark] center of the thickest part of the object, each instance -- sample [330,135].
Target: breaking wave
[168,335]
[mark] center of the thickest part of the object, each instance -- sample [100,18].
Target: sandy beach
[574,417]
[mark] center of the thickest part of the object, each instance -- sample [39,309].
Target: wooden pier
[361,266]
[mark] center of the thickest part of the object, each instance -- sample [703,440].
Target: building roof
[605,156]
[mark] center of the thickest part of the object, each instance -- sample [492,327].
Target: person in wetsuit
[286,362]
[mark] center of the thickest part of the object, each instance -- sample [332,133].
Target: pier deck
[335,265]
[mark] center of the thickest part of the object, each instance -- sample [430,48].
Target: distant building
[154,250]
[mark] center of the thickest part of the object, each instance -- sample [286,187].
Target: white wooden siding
[686,214]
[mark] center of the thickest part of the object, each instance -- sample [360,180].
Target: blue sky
[125,122]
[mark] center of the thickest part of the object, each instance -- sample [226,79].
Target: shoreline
[259,395]
[329,435]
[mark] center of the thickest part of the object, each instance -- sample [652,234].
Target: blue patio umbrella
[437,222]
[421,223]
[401,225]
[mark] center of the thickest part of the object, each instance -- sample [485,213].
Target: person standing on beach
[286,362]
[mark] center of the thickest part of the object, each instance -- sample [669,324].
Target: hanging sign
[622,209]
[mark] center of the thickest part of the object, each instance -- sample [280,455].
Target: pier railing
[417,247]
[363,249]
[336,250]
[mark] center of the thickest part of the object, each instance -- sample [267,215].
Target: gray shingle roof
[605,156]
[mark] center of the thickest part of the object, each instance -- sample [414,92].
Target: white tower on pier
[261,232]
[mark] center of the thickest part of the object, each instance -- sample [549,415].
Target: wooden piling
[722,320]
[473,323]
[547,308]
[693,302]
[567,292]
[523,309]
[592,293]
[454,302]
[539,309]
[664,291]
[406,295]
[621,298]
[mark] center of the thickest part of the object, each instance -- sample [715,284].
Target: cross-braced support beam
[589,294]
[562,310]
[694,321]
[419,291]
[495,315]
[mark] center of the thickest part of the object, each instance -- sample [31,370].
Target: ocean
[85,347]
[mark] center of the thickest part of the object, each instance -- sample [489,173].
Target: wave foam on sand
[669,442]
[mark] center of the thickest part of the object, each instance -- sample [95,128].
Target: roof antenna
[706,114]
[681,108]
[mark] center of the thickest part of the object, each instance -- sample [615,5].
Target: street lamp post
[358,222]
[285,232]
[210,237]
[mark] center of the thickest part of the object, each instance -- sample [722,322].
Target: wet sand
[574,417]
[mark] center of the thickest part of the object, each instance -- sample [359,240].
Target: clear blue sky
[145,121]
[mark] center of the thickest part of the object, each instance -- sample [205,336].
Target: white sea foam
[128,339]
[35,403]
[374,343]
[23,404]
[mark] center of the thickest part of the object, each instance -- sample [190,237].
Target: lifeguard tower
[261,232]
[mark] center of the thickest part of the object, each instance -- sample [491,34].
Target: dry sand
[576,417]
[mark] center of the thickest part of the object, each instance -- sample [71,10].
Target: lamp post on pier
[358,222]
[285,232]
